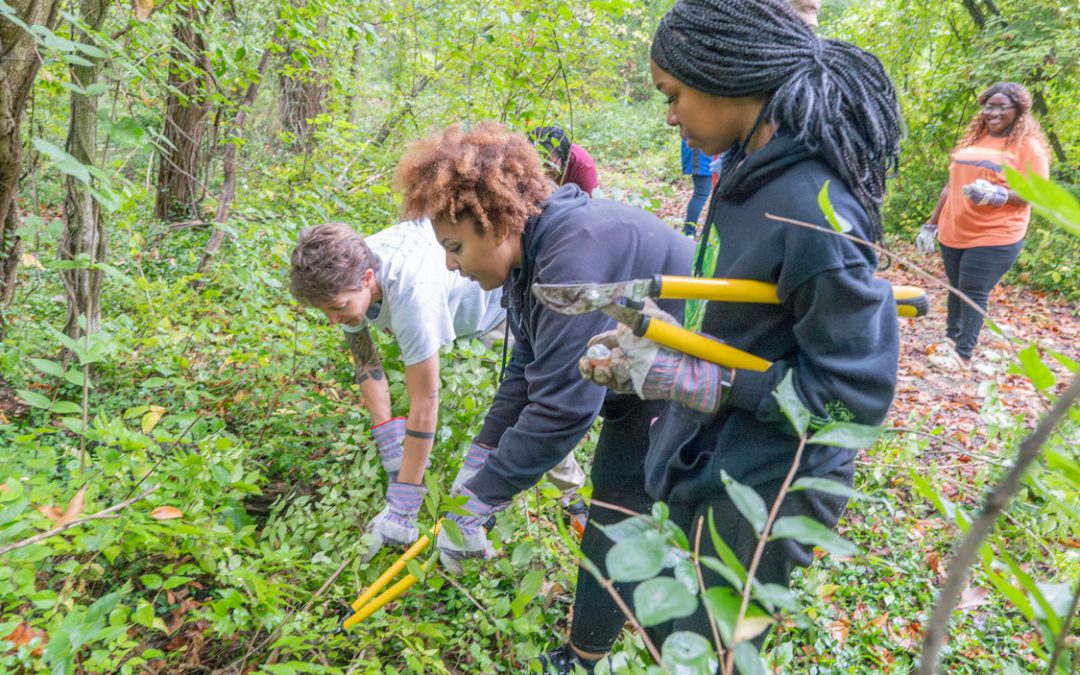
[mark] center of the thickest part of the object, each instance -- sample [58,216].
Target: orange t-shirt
[963,224]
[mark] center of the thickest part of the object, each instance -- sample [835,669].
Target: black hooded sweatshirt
[543,406]
[835,330]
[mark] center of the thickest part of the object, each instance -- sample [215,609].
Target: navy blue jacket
[835,330]
[543,407]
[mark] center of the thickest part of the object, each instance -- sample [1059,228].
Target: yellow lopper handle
[691,343]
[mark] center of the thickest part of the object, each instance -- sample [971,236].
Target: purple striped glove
[474,542]
[656,373]
[388,439]
[396,523]
[984,193]
[474,459]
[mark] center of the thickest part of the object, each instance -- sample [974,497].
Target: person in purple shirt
[564,162]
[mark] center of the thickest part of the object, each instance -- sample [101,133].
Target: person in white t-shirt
[397,280]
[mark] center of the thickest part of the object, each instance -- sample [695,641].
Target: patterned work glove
[985,193]
[924,241]
[396,523]
[656,373]
[388,439]
[474,541]
[474,459]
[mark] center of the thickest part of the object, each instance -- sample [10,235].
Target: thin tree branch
[729,662]
[106,513]
[996,502]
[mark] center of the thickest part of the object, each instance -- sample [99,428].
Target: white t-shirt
[424,305]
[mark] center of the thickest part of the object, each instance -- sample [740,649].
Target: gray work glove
[924,241]
[474,459]
[656,373]
[474,541]
[984,193]
[395,525]
[389,437]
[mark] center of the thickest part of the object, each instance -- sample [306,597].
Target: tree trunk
[84,233]
[20,66]
[178,187]
[302,93]
[228,163]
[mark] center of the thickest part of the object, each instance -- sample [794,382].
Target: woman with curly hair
[504,224]
[979,222]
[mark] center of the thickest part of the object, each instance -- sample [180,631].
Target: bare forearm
[422,385]
[940,204]
[376,395]
[368,371]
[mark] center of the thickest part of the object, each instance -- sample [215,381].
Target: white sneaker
[943,356]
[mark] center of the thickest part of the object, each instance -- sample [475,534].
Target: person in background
[698,166]
[503,223]
[749,77]
[807,10]
[564,162]
[979,222]
[396,280]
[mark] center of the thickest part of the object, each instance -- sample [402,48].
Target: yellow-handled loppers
[624,300]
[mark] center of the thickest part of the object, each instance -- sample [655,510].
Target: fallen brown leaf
[166,513]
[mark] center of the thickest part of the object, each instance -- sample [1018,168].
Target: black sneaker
[563,661]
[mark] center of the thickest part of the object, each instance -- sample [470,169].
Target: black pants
[618,477]
[975,272]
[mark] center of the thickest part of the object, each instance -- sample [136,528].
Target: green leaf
[747,501]
[662,599]
[66,408]
[724,603]
[1066,466]
[636,560]
[1031,363]
[726,554]
[806,530]
[151,581]
[34,399]
[126,131]
[846,435]
[630,528]
[685,653]
[1046,198]
[776,596]
[527,590]
[831,487]
[791,405]
[48,367]
[64,162]
[748,660]
[838,222]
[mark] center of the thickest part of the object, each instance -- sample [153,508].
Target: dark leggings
[702,188]
[618,477]
[975,272]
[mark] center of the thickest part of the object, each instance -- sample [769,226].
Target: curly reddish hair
[487,172]
[1024,127]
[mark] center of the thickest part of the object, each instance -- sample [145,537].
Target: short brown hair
[328,259]
[486,172]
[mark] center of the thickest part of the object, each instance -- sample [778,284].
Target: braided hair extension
[832,96]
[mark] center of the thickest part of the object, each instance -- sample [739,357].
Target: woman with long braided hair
[793,113]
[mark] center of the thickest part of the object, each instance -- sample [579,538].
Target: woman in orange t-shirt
[979,222]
